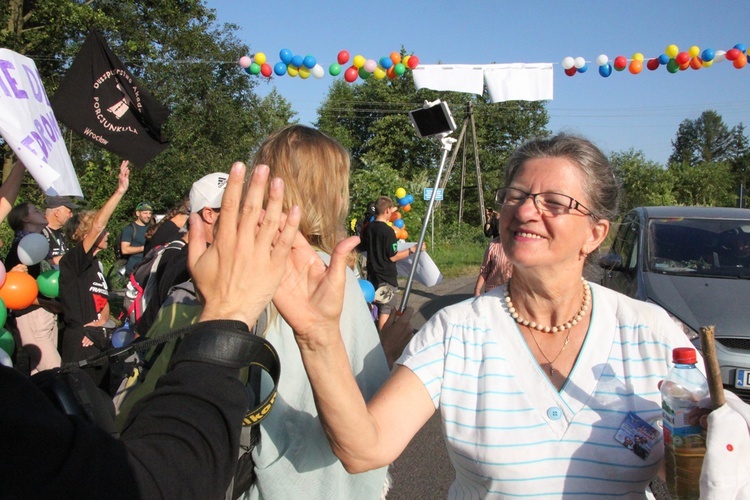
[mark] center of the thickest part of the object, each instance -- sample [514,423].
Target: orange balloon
[740,62]
[406,208]
[19,290]
[391,73]
[395,57]
[696,63]
[685,66]
[636,66]
[395,216]
[404,235]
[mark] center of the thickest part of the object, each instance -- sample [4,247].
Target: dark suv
[695,263]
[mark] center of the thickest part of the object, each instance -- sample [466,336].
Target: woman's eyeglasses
[551,203]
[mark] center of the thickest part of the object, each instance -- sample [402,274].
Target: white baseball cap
[208,191]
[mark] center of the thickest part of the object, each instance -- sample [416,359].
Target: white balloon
[602,59]
[568,62]
[580,62]
[5,359]
[32,249]
[720,56]
[318,71]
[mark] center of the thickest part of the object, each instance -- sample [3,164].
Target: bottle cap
[684,356]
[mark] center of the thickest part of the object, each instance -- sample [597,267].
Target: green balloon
[363,74]
[7,343]
[672,66]
[49,283]
[3,313]
[334,69]
[399,69]
[254,68]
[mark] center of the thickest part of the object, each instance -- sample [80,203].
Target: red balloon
[571,71]
[652,64]
[740,62]
[682,58]
[732,54]
[696,62]
[19,290]
[351,74]
[343,57]
[266,70]
[413,62]
[620,62]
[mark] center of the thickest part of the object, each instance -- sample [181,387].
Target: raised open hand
[238,274]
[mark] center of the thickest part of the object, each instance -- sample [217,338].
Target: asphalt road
[423,471]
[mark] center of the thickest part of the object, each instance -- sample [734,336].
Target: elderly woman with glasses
[534,379]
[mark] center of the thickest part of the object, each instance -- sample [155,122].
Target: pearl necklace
[550,329]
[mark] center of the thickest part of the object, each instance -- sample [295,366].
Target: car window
[625,241]
[707,246]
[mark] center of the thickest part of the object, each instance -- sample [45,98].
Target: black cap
[60,201]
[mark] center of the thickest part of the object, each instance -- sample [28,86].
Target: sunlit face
[144,216]
[531,238]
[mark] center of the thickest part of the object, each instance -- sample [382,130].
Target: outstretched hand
[238,274]
[311,295]
[123,179]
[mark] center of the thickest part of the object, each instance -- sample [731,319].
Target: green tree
[707,184]
[707,139]
[644,183]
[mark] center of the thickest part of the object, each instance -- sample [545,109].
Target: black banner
[101,100]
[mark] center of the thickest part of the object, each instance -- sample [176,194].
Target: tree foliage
[708,139]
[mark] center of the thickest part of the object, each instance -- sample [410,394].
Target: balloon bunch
[397,223]
[674,60]
[391,66]
[290,64]
[18,290]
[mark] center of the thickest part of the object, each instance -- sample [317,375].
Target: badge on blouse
[637,435]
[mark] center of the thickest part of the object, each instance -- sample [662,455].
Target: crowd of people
[532,377]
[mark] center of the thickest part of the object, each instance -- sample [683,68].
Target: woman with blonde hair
[293,458]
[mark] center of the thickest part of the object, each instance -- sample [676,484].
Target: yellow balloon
[304,72]
[694,51]
[389,223]
[359,61]
[672,51]
[260,58]
[291,70]
[379,73]
[638,56]
[708,64]
[405,60]
[400,193]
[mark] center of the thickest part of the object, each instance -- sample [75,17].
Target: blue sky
[618,113]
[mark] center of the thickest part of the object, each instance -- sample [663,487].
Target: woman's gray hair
[600,184]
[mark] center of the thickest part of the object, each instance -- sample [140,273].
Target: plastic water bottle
[684,396]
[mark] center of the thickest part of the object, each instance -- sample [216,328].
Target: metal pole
[447,143]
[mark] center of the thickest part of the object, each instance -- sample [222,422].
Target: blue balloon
[402,201]
[399,223]
[663,59]
[708,55]
[409,199]
[368,290]
[385,62]
[741,47]
[605,70]
[583,68]
[286,56]
[309,61]
[298,61]
[279,68]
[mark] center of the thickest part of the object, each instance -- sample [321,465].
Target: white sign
[29,126]
[428,194]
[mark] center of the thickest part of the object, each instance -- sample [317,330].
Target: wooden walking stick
[713,372]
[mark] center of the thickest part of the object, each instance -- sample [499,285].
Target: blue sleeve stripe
[495,427]
[480,377]
[615,465]
[488,410]
[613,444]
[482,393]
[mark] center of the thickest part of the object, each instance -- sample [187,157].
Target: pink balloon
[2,274]
[371,65]
[245,62]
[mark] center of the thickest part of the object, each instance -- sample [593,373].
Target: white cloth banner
[505,82]
[519,82]
[29,126]
[467,78]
